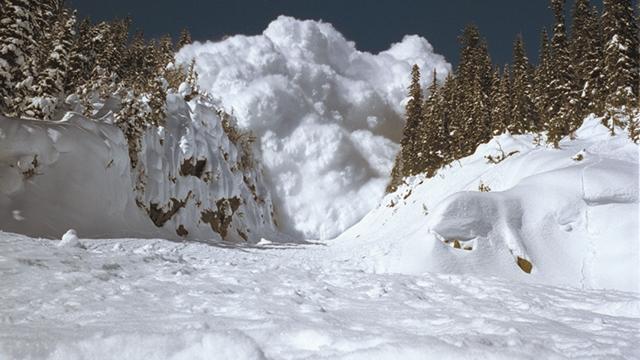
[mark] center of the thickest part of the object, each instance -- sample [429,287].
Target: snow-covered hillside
[568,216]
[193,181]
[154,299]
[328,117]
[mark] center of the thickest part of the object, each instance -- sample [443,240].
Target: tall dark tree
[185,38]
[49,90]
[564,114]
[621,69]
[408,161]
[586,55]
[525,116]
[502,104]
[17,47]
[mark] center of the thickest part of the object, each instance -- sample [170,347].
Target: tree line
[594,69]
[50,63]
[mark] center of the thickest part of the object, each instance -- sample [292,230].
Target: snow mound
[328,117]
[546,215]
[192,181]
[70,239]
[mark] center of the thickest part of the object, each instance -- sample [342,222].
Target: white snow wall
[328,117]
[76,173]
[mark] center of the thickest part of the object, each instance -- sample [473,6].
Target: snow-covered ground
[544,265]
[155,299]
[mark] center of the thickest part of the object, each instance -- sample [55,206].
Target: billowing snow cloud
[328,117]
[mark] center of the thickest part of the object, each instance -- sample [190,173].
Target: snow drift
[560,216]
[191,182]
[328,117]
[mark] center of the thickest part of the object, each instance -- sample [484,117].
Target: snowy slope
[154,299]
[328,117]
[76,174]
[571,214]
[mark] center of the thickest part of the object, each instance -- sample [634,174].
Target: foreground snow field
[155,299]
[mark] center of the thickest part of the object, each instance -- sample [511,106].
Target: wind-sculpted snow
[549,216]
[328,116]
[155,299]
[190,183]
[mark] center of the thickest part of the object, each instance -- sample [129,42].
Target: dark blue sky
[372,24]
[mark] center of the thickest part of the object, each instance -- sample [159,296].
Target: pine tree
[51,78]
[409,153]
[185,38]
[564,112]
[131,120]
[586,55]
[525,117]
[542,82]
[431,136]
[621,68]
[408,161]
[502,102]
[472,125]
[81,58]
[17,48]
[157,101]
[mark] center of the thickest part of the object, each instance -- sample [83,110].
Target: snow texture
[155,299]
[328,117]
[76,173]
[573,219]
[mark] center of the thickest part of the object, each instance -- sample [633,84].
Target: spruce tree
[525,117]
[430,132]
[17,49]
[621,68]
[49,89]
[564,114]
[185,38]
[502,102]
[408,161]
[586,55]
[410,154]
[542,82]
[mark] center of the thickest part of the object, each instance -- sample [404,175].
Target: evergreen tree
[502,102]
[410,154]
[408,161]
[430,132]
[185,38]
[51,78]
[586,55]
[17,48]
[471,124]
[621,68]
[564,114]
[157,102]
[525,117]
[542,82]
[81,59]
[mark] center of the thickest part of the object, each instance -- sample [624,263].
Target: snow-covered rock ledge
[193,181]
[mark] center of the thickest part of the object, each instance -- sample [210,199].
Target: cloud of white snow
[327,116]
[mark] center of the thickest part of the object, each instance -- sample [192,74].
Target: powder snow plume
[328,117]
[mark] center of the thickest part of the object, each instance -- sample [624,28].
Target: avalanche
[328,117]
